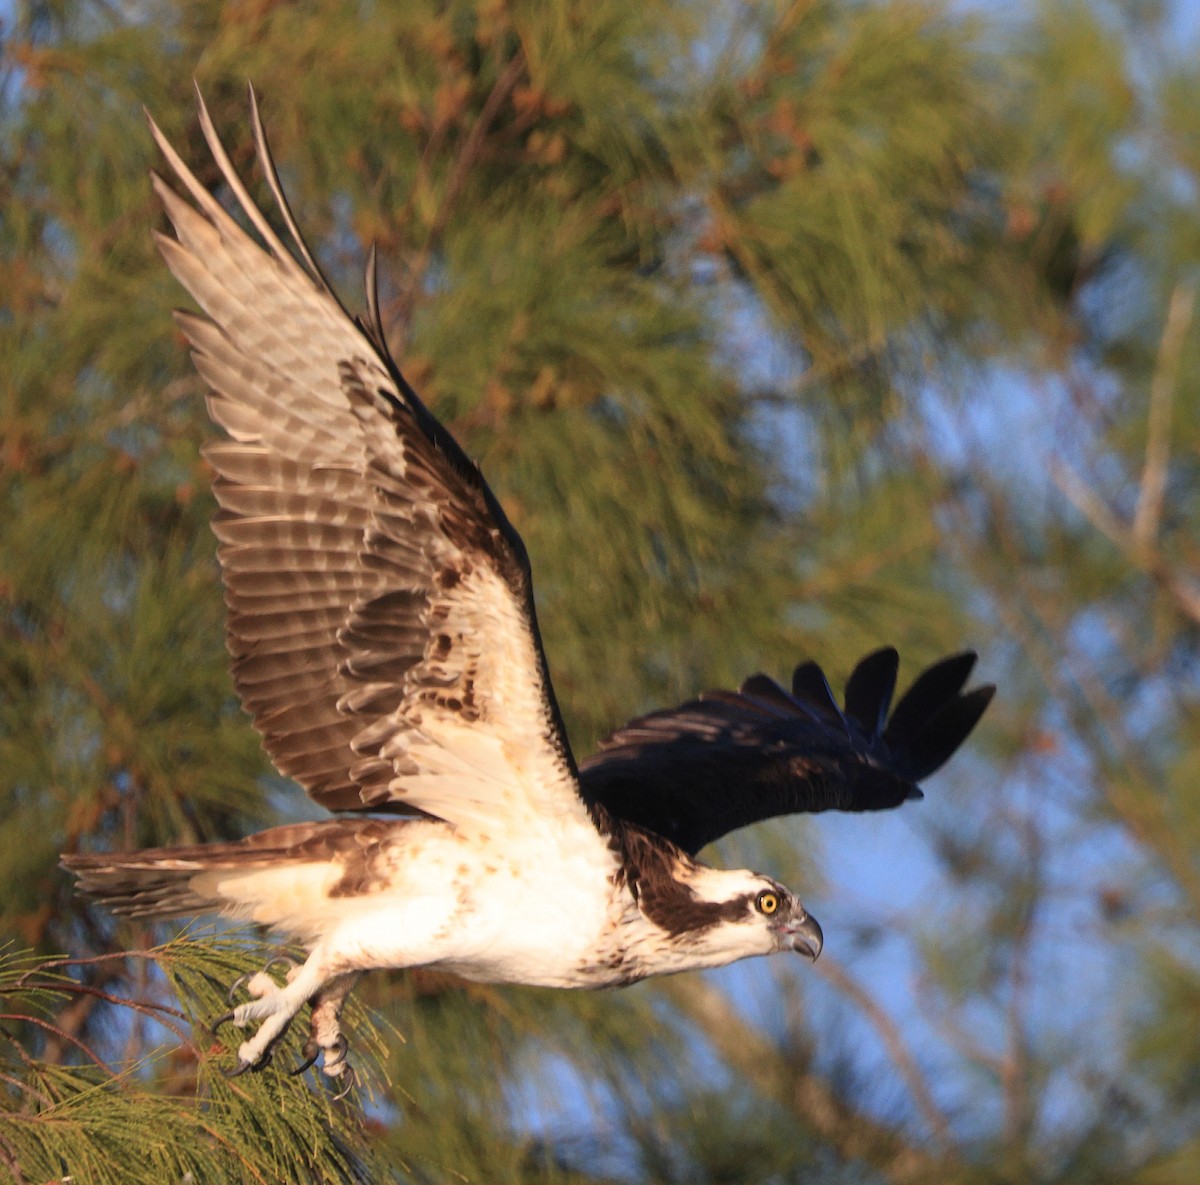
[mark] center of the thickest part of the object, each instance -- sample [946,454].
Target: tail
[156,882]
[261,878]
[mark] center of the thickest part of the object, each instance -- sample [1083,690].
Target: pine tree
[781,330]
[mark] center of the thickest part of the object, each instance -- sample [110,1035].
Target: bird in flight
[384,640]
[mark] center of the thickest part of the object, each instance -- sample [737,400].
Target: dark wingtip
[935,740]
[374,321]
[870,688]
[931,691]
[811,688]
[765,690]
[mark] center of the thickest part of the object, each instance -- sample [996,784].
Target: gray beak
[805,937]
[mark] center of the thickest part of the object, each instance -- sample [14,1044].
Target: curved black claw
[237,983]
[213,1025]
[280,961]
[351,1082]
[254,1067]
[311,1051]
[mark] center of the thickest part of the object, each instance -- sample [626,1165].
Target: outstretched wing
[381,615]
[708,767]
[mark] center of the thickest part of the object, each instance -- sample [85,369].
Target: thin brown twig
[1148,513]
[24,1086]
[1138,539]
[1015,1065]
[157,1012]
[1072,486]
[87,961]
[53,1029]
[950,1028]
[897,1049]
[9,1159]
[469,153]
[401,307]
[856,1136]
[71,1018]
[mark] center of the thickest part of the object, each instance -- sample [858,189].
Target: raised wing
[381,616]
[708,767]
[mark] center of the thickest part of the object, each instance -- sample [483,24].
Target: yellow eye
[768,902]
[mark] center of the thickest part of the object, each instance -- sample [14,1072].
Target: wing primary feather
[932,690]
[205,200]
[230,174]
[374,324]
[870,688]
[267,161]
[810,686]
[710,766]
[935,742]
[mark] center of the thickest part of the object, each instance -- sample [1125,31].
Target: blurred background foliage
[782,330]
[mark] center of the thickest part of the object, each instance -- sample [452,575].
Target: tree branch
[855,1136]
[896,1047]
[1158,428]
[1138,539]
[468,155]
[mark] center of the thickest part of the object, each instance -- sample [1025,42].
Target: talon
[335,1056]
[237,983]
[225,1018]
[254,1067]
[351,1082]
[311,1051]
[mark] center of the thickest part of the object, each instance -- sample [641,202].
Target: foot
[272,1003]
[325,1039]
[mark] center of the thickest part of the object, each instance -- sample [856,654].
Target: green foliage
[171,1115]
[781,329]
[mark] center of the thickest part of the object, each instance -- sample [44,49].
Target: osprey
[384,640]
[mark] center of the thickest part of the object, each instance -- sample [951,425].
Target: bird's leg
[275,1006]
[325,1034]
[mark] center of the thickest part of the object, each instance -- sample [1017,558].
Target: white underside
[536,912]
[546,910]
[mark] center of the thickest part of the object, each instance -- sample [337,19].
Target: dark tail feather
[156,882]
[171,882]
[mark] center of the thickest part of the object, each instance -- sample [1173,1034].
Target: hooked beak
[803,935]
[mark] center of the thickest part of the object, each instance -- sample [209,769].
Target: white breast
[533,909]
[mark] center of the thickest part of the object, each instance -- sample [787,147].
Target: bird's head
[717,916]
[787,921]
